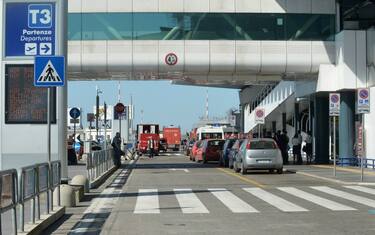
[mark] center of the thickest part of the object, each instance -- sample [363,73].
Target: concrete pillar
[273,126]
[321,129]
[347,125]
[296,118]
[284,121]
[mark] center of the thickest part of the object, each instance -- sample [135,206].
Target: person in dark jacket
[116,144]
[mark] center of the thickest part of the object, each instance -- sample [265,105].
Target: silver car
[258,154]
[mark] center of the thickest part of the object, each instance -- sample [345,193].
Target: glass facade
[200,26]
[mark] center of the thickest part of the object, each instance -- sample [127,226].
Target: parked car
[224,161]
[197,145]
[258,154]
[233,152]
[210,150]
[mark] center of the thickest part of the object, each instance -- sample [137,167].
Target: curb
[45,222]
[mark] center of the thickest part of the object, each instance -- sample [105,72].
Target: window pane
[103,26]
[158,26]
[310,27]
[213,26]
[260,26]
[74,26]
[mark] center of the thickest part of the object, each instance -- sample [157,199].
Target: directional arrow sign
[74,113]
[174,169]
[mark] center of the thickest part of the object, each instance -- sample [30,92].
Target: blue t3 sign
[30,29]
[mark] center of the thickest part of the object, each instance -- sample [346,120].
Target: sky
[161,102]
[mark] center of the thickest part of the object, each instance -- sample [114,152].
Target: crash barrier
[34,180]
[356,161]
[98,163]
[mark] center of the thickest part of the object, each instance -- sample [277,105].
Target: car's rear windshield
[262,144]
[215,143]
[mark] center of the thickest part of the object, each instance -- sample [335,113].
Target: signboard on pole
[363,101]
[74,113]
[334,104]
[49,71]
[260,116]
[30,29]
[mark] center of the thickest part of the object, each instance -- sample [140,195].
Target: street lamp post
[97,112]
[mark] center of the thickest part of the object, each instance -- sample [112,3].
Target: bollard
[81,181]
[67,196]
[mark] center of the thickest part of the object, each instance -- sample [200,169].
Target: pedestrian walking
[72,158]
[151,147]
[308,147]
[297,143]
[116,144]
[284,142]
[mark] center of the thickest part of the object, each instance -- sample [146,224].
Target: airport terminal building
[285,56]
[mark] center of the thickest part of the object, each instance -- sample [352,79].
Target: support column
[347,126]
[284,121]
[296,118]
[321,129]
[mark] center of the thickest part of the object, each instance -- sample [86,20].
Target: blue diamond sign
[49,71]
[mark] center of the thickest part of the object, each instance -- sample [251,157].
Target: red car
[210,150]
[193,153]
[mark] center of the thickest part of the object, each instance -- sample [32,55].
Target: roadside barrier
[34,180]
[99,163]
[356,161]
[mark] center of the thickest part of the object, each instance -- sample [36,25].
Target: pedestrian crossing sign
[49,71]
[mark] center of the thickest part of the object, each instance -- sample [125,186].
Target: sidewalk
[344,175]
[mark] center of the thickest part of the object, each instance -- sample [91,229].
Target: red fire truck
[144,133]
[173,137]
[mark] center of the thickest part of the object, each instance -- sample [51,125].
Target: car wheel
[242,170]
[280,171]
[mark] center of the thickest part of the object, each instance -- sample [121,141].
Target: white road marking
[348,196]
[189,202]
[274,200]
[184,169]
[316,199]
[234,203]
[147,202]
[362,189]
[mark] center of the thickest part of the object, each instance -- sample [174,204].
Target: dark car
[224,159]
[233,152]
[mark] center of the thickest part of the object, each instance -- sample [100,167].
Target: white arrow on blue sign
[74,113]
[49,71]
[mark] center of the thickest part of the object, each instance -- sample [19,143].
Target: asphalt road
[171,195]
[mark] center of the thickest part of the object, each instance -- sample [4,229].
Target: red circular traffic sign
[363,94]
[335,98]
[119,108]
[171,59]
[260,113]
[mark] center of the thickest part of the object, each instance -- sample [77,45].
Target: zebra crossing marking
[147,202]
[275,201]
[362,189]
[189,202]
[348,196]
[234,203]
[316,199]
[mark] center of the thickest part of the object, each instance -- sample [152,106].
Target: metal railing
[9,195]
[356,162]
[34,180]
[98,163]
